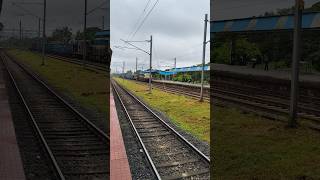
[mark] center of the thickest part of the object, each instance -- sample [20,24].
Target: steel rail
[207,159]
[181,90]
[168,126]
[34,123]
[78,62]
[137,134]
[64,102]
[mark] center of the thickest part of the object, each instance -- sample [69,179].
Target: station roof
[310,20]
[184,69]
[103,33]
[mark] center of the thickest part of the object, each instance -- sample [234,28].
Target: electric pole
[85,32]
[102,22]
[44,31]
[203,56]
[295,63]
[39,27]
[123,65]
[150,77]
[149,53]
[20,30]
[136,65]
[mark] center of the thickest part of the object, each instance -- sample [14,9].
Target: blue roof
[310,20]
[103,33]
[177,70]
[184,69]
[166,73]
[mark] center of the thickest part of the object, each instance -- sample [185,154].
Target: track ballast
[76,147]
[170,155]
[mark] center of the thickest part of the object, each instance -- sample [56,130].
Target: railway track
[76,147]
[193,92]
[251,99]
[270,104]
[80,62]
[170,155]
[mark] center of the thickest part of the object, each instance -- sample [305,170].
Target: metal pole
[39,27]
[136,65]
[203,56]
[150,77]
[85,32]
[20,34]
[123,70]
[295,64]
[102,22]
[44,31]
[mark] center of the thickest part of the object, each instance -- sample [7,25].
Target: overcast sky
[60,13]
[176,25]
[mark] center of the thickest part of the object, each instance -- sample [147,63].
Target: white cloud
[176,26]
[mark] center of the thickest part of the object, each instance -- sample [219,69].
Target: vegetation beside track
[188,114]
[246,146]
[88,87]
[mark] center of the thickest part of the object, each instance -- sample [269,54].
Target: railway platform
[11,167]
[281,74]
[119,165]
[181,83]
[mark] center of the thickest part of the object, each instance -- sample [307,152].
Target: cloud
[176,26]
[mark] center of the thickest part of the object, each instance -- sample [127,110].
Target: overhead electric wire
[141,15]
[98,7]
[145,18]
[25,10]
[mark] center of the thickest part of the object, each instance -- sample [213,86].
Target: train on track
[186,74]
[98,50]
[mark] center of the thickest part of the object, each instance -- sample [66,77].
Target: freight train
[98,50]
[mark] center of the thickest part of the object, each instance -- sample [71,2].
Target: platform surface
[11,167]
[119,165]
[280,74]
[181,83]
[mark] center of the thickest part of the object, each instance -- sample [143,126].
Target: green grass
[246,146]
[88,87]
[188,114]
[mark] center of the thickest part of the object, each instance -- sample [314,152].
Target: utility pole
[102,22]
[85,32]
[295,63]
[20,30]
[136,65]
[150,88]
[39,27]
[149,53]
[175,63]
[123,65]
[44,31]
[203,56]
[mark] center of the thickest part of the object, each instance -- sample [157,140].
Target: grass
[88,87]
[246,146]
[188,114]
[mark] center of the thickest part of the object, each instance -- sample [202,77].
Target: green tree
[221,54]
[63,35]
[90,34]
